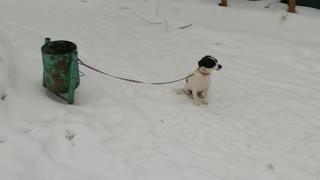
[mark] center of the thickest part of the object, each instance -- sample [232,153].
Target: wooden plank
[223,3]
[292,6]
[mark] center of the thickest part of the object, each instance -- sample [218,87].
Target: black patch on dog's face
[208,62]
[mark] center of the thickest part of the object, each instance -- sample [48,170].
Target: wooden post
[292,6]
[223,3]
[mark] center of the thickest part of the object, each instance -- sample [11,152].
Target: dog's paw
[196,102]
[190,95]
[205,101]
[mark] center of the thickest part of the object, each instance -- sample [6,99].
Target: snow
[262,121]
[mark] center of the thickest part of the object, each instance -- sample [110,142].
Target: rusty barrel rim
[59,47]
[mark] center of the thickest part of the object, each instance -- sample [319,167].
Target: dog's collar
[204,74]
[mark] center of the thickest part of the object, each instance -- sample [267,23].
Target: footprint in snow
[124,8]
[3,97]
[270,167]
[69,135]
[3,139]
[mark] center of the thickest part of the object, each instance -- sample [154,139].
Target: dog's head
[209,63]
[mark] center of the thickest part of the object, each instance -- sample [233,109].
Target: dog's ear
[200,63]
[210,57]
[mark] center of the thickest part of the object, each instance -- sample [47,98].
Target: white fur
[198,86]
[199,83]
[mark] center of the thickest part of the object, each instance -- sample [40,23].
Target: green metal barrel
[60,67]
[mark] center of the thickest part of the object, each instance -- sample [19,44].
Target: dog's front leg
[195,97]
[205,96]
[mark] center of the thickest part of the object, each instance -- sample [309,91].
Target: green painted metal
[60,67]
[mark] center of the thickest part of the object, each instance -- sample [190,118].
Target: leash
[131,80]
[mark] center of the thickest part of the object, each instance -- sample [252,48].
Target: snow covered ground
[262,122]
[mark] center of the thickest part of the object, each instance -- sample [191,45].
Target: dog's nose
[219,66]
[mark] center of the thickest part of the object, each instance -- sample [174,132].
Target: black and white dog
[197,86]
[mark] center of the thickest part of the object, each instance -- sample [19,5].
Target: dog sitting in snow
[197,85]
